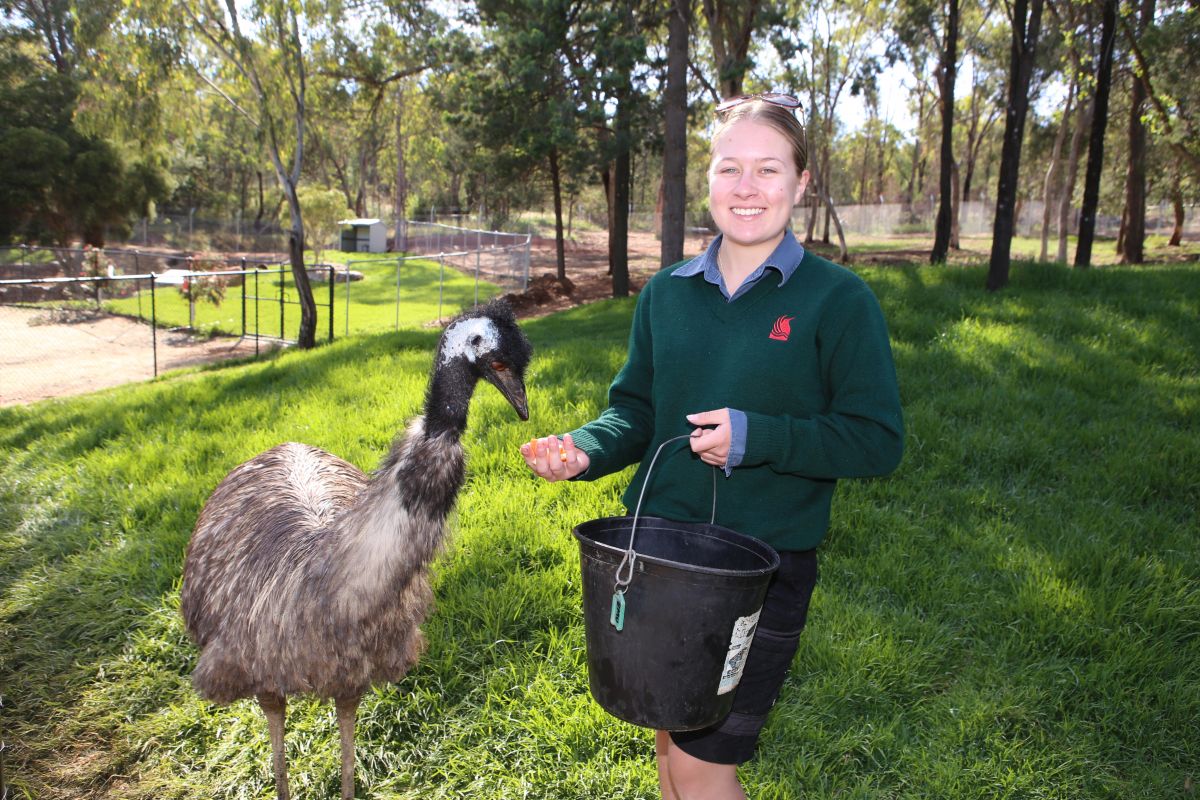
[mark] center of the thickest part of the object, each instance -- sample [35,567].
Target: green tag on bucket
[616,617]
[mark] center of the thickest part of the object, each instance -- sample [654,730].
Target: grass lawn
[373,306]
[1015,613]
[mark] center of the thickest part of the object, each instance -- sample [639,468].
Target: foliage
[59,183]
[1013,613]
[203,289]
[322,209]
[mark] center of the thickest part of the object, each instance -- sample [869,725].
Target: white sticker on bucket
[739,649]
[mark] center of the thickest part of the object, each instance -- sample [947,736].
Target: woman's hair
[780,118]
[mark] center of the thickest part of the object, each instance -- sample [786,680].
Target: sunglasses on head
[774,98]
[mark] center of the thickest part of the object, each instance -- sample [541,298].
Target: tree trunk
[400,195]
[955,207]
[674,181]
[559,248]
[307,336]
[1052,171]
[1135,180]
[262,207]
[1091,184]
[1082,123]
[941,237]
[1177,201]
[619,234]
[730,26]
[825,195]
[1024,43]
[1120,248]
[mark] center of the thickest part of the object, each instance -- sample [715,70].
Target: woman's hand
[711,444]
[555,459]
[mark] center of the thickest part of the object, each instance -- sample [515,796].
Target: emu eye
[475,340]
[499,366]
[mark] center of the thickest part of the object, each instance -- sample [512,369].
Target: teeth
[747,212]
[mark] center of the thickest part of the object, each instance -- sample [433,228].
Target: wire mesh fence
[63,335]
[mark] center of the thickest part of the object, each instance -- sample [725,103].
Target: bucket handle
[630,558]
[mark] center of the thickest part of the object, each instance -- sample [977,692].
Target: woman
[778,363]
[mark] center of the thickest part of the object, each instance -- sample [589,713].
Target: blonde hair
[767,113]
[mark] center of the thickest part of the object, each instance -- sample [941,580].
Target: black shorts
[733,739]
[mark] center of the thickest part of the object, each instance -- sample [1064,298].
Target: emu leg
[347,708]
[275,706]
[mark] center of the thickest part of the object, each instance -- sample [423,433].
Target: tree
[1026,20]
[520,96]
[731,25]
[674,179]
[273,68]
[322,209]
[829,56]
[947,71]
[1133,250]
[1095,163]
[59,183]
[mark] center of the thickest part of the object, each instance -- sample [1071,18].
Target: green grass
[1015,613]
[372,308]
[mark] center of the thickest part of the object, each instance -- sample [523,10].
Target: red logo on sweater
[782,329]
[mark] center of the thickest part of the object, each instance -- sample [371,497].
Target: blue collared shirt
[784,259]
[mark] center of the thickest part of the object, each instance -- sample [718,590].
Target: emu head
[489,341]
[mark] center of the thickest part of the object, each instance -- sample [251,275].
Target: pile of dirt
[541,291]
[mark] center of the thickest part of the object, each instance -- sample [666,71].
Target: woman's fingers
[554,459]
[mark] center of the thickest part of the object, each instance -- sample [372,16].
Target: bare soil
[587,273]
[54,353]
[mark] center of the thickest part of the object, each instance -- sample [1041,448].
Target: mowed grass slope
[1014,613]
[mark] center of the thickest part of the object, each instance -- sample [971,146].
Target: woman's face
[753,184]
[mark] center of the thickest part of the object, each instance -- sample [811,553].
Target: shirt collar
[785,258]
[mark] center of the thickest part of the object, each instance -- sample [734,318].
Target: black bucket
[666,647]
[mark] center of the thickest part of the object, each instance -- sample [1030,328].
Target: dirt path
[44,353]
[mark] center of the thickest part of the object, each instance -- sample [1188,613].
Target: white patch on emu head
[471,338]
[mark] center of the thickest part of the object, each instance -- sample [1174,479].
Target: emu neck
[449,398]
[396,526]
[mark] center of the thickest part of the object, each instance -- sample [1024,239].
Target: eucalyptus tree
[1162,42]
[362,72]
[259,51]
[1026,28]
[675,92]
[827,52]
[59,181]
[520,95]
[1133,241]
[932,26]
[1165,63]
[1095,162]
[731,26]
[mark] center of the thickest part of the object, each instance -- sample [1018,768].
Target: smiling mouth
[747,212]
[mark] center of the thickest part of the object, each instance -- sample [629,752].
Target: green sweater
[810,365]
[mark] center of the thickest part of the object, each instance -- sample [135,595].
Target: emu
[303,575]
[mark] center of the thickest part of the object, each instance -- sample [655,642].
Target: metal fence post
[399,261]
[154,322]
[257,302]
[281,319]
[441,281]
[331,279]
[243,298]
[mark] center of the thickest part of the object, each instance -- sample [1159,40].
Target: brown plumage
[304,575]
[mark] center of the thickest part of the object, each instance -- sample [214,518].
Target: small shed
[363,236]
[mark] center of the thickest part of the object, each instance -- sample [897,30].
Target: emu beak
[513,389]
